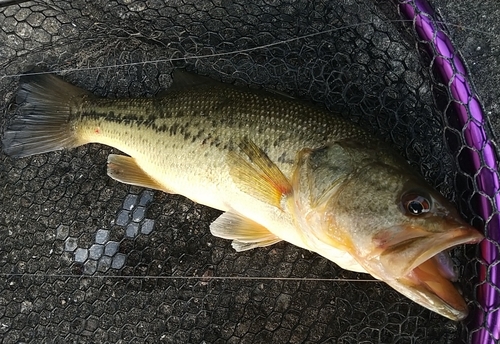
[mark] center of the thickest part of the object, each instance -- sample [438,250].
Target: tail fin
[44,122]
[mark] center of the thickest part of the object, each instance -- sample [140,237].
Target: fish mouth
[428,277]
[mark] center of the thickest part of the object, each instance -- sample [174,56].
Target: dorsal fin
[183,79]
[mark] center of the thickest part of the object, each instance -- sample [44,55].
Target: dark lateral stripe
[173,128]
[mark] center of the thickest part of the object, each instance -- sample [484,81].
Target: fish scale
[222,121]
[279,168]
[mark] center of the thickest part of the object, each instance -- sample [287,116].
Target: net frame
[249,71]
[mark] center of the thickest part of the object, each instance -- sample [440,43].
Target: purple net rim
[485,327]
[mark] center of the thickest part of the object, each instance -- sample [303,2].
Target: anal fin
[245,233]
[125,169]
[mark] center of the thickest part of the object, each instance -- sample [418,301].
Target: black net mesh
[86,259]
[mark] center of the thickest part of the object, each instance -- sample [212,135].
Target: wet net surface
[86,259]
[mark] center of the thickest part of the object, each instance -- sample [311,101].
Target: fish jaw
[413,268]
[361,203]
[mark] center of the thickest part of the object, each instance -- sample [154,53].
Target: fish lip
[407,280]
[432,245]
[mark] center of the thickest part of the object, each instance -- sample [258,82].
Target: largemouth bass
[279,169]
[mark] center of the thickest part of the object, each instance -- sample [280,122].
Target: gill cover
[362,199]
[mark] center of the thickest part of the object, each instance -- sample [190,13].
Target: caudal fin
[44,122]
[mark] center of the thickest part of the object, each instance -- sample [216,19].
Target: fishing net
[86,259]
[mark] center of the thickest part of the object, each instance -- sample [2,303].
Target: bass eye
[416,204]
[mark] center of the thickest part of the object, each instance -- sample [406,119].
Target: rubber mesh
[86,259]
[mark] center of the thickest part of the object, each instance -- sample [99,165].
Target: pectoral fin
[246,234]
[125,169]
[254,173]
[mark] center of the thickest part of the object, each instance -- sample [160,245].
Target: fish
[279,169]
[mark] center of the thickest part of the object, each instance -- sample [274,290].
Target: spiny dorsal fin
[254,173]
[245,233]
[185,80]
[125,169]
[279,93]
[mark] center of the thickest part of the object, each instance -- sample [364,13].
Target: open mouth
[429,276]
